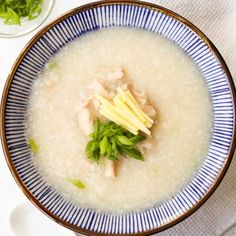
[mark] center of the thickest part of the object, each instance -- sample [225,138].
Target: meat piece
[109,168]
[88,105]
[110,73]
[86,118]
[50,83]
[87,95]
[147,143]
[114,73]
[110,77]
[150,111]
[96,87]
[125,86]
[141,98]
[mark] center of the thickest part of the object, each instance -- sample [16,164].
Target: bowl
[62,31]
[12,31]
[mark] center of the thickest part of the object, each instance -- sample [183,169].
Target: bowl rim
[69,13]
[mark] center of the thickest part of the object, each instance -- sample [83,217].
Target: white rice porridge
[182,131]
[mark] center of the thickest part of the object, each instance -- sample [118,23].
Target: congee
[118,120]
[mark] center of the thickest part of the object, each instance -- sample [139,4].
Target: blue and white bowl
[61,32]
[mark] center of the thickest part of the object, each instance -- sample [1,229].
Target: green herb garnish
[33,146]
[52,65]
[109,140]
[77,183]
[12,11]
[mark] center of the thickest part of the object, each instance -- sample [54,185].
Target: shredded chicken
[105,85]
[149,110]
[87,95]
[110,168]
[86,118]
[109,78]
[110,73]
[141,98]
[147,143]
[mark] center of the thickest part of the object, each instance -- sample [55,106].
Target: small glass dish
[12,31]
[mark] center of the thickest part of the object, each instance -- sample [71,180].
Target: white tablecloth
[217,19]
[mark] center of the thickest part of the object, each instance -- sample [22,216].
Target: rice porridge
[180,134]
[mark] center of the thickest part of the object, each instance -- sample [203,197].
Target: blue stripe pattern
[120,15]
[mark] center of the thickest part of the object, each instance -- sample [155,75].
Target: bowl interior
[71,26]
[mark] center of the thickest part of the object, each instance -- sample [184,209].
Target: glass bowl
[12,31]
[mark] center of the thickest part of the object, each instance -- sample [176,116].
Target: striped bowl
[62,31]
